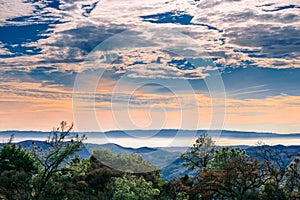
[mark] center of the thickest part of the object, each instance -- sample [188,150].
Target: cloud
[14,8]
[88,8]
[254,44]
[272,40]
[63,41]
[46,75]
[280,8]
[161,72]
[249,27]
[86,38]
[209,4]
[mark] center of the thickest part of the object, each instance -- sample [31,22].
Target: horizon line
[113,130]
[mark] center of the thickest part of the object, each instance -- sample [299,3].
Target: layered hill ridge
[167,159]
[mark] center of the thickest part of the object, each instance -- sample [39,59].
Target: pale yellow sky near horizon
[277,114]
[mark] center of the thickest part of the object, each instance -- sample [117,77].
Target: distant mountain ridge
[162,133]
[167,159]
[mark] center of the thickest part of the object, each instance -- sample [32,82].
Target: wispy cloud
[255,45]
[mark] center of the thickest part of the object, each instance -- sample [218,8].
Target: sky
[133,64]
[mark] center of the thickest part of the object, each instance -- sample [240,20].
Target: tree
[180,189]
[61,144]
[124,162]
[99,179]
[13,157]
[17,166]
[131,187]
[275,162]
[292,180]
[199,155]
[231,173]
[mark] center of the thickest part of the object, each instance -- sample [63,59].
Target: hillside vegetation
[54,170]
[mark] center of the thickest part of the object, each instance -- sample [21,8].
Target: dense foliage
[56,172]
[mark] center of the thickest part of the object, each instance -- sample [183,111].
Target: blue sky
[253,45]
